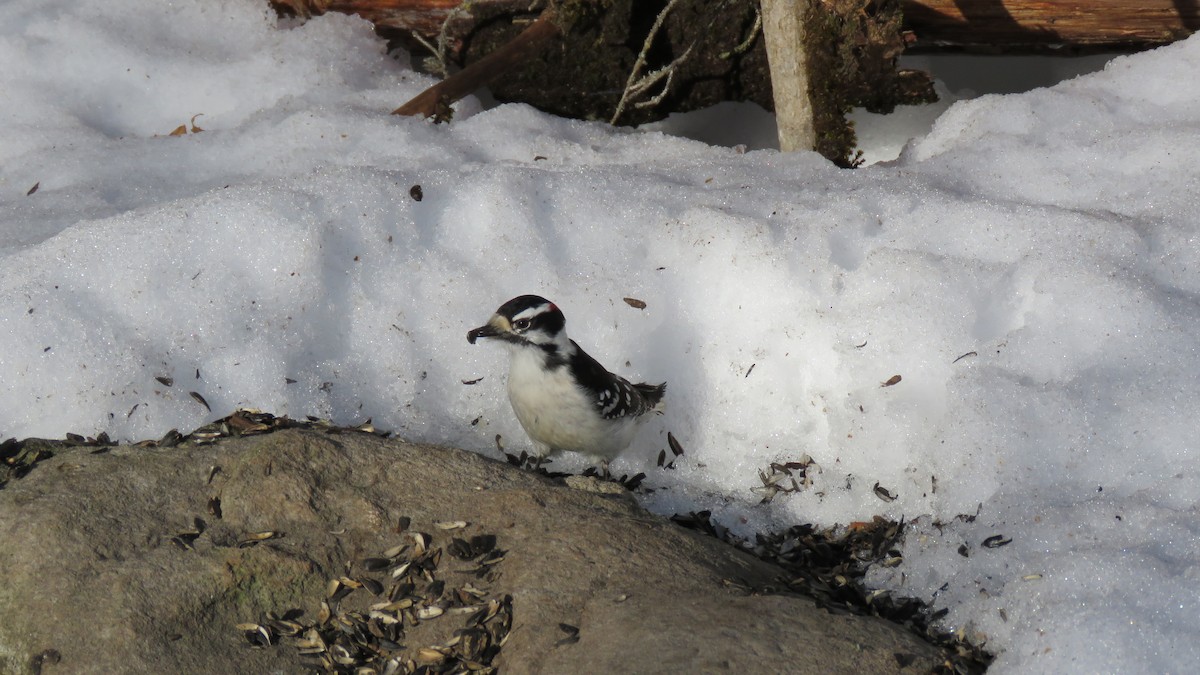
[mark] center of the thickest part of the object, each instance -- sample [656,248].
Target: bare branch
[478,74]
[634,86]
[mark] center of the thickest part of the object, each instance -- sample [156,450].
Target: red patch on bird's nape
[554,308]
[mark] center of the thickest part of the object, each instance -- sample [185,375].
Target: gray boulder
[305,550]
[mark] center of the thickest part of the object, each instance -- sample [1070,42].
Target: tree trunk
[783,30]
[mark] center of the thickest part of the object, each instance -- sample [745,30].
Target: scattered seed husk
[258,537]
[420,541]
[240,422]
[383,617]
[347,640]
[460,549]
[184,540]
[257,635]
[377,564]
[430,612]
[200,399]
[676,447]
[830,565]
[287,628]
[434,590]
[632,483]
[450,524]
[572,634]
[169,440]
[336,590]
[342,656]
[392,606]
[428,656]
[883,493]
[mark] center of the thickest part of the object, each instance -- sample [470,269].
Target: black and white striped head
[526,320]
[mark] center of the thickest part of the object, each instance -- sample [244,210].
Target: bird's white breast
[558,413]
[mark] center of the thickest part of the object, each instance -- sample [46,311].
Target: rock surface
[121,561]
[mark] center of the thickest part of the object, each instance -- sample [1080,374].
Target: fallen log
[996,24]
[1011,25]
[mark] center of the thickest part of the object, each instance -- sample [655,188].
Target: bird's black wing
[612,394]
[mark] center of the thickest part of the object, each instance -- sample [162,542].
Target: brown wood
[1045,23]
[423,16]
[935,23]
[437,98]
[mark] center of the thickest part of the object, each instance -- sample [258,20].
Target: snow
[1030,267]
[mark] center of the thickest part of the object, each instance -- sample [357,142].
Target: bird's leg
[535,462]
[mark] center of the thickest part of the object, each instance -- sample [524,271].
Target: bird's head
[526,320]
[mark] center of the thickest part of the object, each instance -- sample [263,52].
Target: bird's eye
[521,324]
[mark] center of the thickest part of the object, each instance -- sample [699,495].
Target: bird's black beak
[486,330]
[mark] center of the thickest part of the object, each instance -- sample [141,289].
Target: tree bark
[1013,24]
[783,29]
[997,24]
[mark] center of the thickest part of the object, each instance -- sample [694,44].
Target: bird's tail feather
[653,393]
